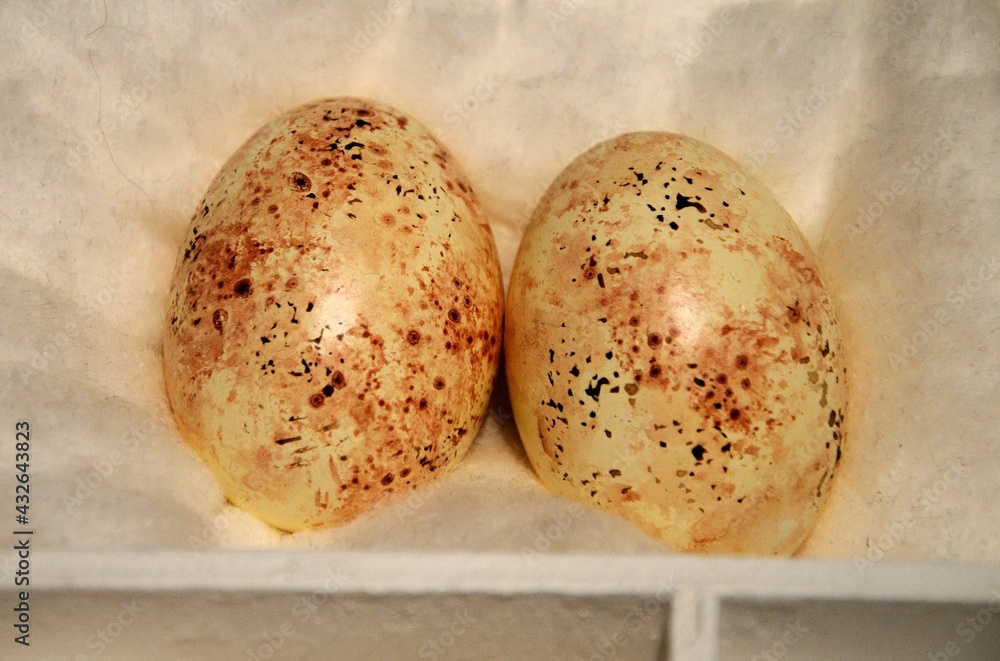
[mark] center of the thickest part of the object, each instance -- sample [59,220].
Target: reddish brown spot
[255,201]
[454,315]
[219,318]
[734,414]
[338,380]
[389,219]
[299,182]
[292,283]
[243,288]
[438,384]
[742,362]
[721,378]
[634,321]
[423,403]
[590,274]
[387,480]
[413,337]
[317,400]
[325,161]
[654,340]
[794,314]
[745,383]
[404,472]
[654,371]
[272,208]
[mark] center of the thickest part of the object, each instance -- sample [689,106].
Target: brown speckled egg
[335,316]
[672,354]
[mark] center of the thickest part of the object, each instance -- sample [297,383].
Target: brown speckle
[299,182]
[338,380]
[243,288]
[219,318]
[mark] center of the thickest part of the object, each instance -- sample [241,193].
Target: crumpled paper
[876,126]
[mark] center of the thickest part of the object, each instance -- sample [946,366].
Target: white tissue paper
[876,126]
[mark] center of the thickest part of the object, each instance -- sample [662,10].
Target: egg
[335,315]
[672,354]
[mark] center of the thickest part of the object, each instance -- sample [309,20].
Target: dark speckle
[300,182]
[698,451]
[684,202]
[219,318]
[594,391]
[243,288]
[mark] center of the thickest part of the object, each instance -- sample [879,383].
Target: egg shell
[335,316]
[671,352]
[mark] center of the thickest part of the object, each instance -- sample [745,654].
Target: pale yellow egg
[672,353]
[335,316]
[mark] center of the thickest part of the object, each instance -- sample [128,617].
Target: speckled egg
[335,316]
[672,354]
